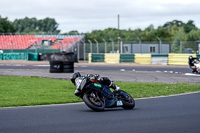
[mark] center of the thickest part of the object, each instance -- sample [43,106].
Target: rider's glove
[117,88]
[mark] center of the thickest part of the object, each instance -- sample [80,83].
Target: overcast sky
[88,15]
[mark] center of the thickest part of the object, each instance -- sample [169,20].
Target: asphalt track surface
[175,114]
[103,68]
[122,72]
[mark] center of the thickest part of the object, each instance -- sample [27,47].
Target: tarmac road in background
[104,67]
[117,72]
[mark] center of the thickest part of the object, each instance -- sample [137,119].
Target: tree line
[29,26]
[172,32]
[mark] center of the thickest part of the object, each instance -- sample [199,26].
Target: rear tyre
[94,101]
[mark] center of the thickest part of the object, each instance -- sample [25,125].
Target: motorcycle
[98,96]
[194,64]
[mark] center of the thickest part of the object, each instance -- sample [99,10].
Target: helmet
[97,76]
[74,76]
[190,57]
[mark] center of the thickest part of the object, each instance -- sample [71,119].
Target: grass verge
[25,91]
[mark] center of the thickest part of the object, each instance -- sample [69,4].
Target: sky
[87,15]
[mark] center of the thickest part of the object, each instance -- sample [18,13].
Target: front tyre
[128,102]
[94,101]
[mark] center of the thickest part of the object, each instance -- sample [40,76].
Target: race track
[176,114]
[127,73]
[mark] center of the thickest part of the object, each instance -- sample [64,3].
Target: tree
[48,25]
[29,25]
[6,26]
[189,26]
[149,34]
[177,23]
[73,32]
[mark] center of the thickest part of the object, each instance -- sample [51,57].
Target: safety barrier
[127,57]
[31,50]
[15,56]
[143,58]
[97,57]
[179,59]
[33,56]
[19,56]
[159,59]
[89,58]
[1,56]
[112,58]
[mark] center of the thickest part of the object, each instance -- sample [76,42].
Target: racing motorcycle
[98,96]
[194,64]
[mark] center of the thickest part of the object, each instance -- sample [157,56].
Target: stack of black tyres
[61,66]
[68,66]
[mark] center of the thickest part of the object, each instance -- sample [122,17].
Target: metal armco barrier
[127,57]
[112,58]
[143,58]
[179,59]
[159,59]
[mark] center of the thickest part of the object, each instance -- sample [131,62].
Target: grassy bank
[23,91]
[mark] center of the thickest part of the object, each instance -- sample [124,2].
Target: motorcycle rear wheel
[94,101]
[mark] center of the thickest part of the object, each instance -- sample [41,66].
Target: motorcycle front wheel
[128,102]
[94,100]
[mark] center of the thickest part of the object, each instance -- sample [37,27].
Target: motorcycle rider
[76,79]
[192,60]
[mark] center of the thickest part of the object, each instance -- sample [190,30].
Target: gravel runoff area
[128,76]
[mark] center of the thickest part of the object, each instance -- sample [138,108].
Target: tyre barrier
[97,57]
[112,58]
[159,59]
[179,59]
[127,58]
[61,66]
[143,58]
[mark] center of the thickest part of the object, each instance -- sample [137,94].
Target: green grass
[24,91]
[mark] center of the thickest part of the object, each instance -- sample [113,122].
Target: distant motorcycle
[194,64]
[98,96]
